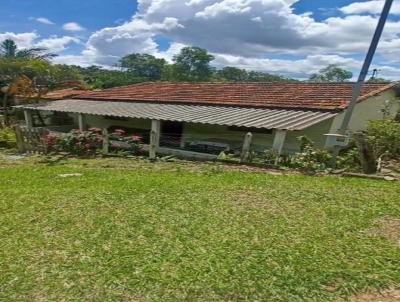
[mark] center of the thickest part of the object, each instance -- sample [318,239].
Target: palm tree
[19,70]
[9,50]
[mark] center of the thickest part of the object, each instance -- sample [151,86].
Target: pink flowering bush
[90,141]
[122,143]
[50,140]
[74,142]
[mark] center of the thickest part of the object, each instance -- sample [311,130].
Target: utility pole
[363,74]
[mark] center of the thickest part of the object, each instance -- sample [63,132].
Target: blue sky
[290,37]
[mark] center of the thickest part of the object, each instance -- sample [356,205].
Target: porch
[194,131]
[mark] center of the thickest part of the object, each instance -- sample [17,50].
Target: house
[209,117]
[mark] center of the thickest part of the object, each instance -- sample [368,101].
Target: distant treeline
[191,64]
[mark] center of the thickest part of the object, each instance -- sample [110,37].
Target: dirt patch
[388,227]
[388,295]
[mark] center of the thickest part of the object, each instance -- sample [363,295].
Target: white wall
[261,141]
[370,109]
[101,122]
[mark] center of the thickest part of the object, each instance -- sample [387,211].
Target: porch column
[81,122]
[244,156]
[154,138]
[106,141]
[279,141]
[28,118]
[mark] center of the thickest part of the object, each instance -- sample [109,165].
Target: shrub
[125,144]
[305,143]
[267,157]
[349,159]
[311,159]
[7,138]
[74,142]
[90,141]
[384,137]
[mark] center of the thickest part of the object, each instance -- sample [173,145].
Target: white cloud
[369,7]
[44,21]
[23,40]
[249,28]
[298,68]
[168,54]
[243,33]
[73,26]
[301,68]
[109,44]
[57,44]
[54,44]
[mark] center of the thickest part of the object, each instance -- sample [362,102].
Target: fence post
[20,139]
[154,138]
[106,141]
[244,156]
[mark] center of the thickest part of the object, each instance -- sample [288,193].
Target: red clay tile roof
[62,93]
[323,96]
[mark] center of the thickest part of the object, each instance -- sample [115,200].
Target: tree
[258,76]
[192,64]
[143,65]
[9,50]
[16,77]
[331,73]
[21,72]
[66,76]
[232,74]
[378,80]
[96,77]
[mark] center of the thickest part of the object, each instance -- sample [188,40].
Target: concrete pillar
[106,141]
[279,141]
[244,156]
[154,138]
[81,121]
[28,118]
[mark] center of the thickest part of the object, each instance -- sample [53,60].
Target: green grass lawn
[136,231]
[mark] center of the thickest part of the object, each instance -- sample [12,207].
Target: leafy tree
[192,64]
[331,73]
[232,74]
[378,80]
[97,77]
[258,76]
[22,72]
[143,65]
[18,77]
[65,74]
[384,137]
